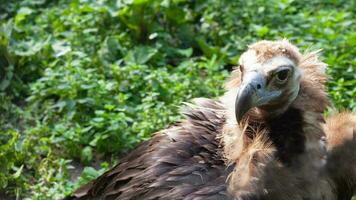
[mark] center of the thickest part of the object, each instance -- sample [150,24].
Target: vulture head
[274,106]
[270,77]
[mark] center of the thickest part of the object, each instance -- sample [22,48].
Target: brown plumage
[183,161]
[262,140]
[340,130]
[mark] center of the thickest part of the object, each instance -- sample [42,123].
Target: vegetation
[83,81]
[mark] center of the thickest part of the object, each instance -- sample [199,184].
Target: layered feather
[209,156]
[182,162]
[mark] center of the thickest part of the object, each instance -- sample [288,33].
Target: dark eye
[282,75]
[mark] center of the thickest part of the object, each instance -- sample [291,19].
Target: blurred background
[83,81]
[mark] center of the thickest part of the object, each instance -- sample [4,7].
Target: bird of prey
[265,138]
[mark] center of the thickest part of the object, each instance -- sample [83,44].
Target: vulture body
[181,162]
[266,138]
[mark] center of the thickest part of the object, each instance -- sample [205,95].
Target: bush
[83,81]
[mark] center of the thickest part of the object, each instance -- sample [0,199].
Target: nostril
[258,86]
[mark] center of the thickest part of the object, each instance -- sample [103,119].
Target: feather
[294,155]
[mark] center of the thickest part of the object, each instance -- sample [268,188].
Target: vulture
[265,138]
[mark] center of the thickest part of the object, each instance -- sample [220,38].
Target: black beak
[252,93]
[244,101]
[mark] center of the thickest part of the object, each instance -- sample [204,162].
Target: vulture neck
[286,134]
[296,131]
[292,142]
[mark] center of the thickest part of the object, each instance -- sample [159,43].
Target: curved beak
[252,93]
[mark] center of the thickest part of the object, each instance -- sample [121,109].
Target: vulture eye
[282,75]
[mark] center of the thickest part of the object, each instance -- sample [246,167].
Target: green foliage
[84,80]
[8,156]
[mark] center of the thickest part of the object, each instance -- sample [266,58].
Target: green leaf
[261,31]
[185,52]
[60,48]
[86,155]
[18,172]
[140,2]
[22,13]
[140,55]
[90,173]
[29,48]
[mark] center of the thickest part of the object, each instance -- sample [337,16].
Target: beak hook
[244,101]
